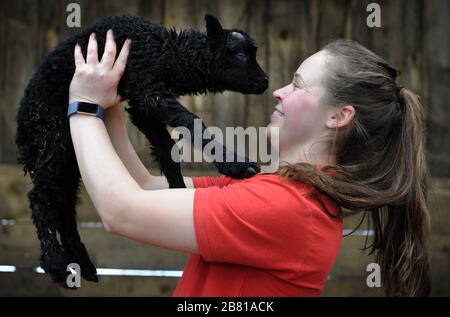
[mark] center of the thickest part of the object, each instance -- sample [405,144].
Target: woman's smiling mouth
[277,114]
[280,112]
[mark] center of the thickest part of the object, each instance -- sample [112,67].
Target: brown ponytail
[380,164]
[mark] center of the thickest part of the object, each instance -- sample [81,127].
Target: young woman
[350,141]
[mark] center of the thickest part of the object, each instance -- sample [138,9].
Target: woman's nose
[278,95]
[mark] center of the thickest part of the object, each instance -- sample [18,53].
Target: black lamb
[162,65]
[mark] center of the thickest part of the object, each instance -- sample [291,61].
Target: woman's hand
[94,81]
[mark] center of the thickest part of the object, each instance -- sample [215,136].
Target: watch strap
[86,108]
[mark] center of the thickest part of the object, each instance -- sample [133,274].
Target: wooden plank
[440,263]
[420,54]
[308,23]
[186,15]
[394,11]
[439,207]
[229,107]
[351,261]
[258,108]
[152,9]
[437,81]
[14,204]
[20,247]
[413,43]
[19,39]
[33,284]
[351,264]
[350,287]
[94,11]
[378,36]
[14,188]
[357,24]
[348,277]
[3,30]
[285,53]
[333,15]
[183,15]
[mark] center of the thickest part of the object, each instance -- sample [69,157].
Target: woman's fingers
[78,56]
[98,81]
[92,51]
[108,56]
[121,62]
[110,50]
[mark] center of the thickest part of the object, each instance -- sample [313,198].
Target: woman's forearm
[119,137]
[104,175]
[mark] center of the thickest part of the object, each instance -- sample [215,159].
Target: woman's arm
[119,136]
[160,217]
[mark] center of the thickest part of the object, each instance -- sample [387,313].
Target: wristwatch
[87,108]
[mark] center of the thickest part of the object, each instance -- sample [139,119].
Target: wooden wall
[413,37]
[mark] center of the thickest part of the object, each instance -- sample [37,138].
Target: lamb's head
[234,65]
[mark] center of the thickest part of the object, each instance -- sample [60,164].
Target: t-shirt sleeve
[208,181]
[258,223]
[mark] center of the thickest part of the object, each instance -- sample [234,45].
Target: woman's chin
[272,132]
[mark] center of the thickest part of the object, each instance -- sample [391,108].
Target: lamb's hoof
[54,263]
[78,254]
[249,172]
[238,170]
[91,277]
[88,271]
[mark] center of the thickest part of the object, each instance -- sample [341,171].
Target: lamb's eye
[241,56]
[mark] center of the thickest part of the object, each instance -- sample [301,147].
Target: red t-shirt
[260,236]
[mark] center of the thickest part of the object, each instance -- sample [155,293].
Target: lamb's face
[235,65]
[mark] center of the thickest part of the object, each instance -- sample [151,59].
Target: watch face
[87,107]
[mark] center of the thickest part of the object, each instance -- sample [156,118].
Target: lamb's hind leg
[53,200]
[70,239]
[45,211]
[35,153]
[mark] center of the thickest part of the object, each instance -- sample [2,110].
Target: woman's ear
[342,118]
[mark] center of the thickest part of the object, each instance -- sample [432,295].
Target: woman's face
[299,116]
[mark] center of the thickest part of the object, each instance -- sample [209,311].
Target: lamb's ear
[213,29]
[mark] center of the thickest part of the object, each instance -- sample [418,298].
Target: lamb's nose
[265,81]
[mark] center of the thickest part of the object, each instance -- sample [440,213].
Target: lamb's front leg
[171,112]
[161,143]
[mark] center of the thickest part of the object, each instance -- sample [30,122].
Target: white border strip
[359,232]
[7,268]
[130,272]
[7,222]
[99,225]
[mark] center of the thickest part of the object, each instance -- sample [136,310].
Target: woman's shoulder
[224,181]
[299,191]
[278,180]
[270,185]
